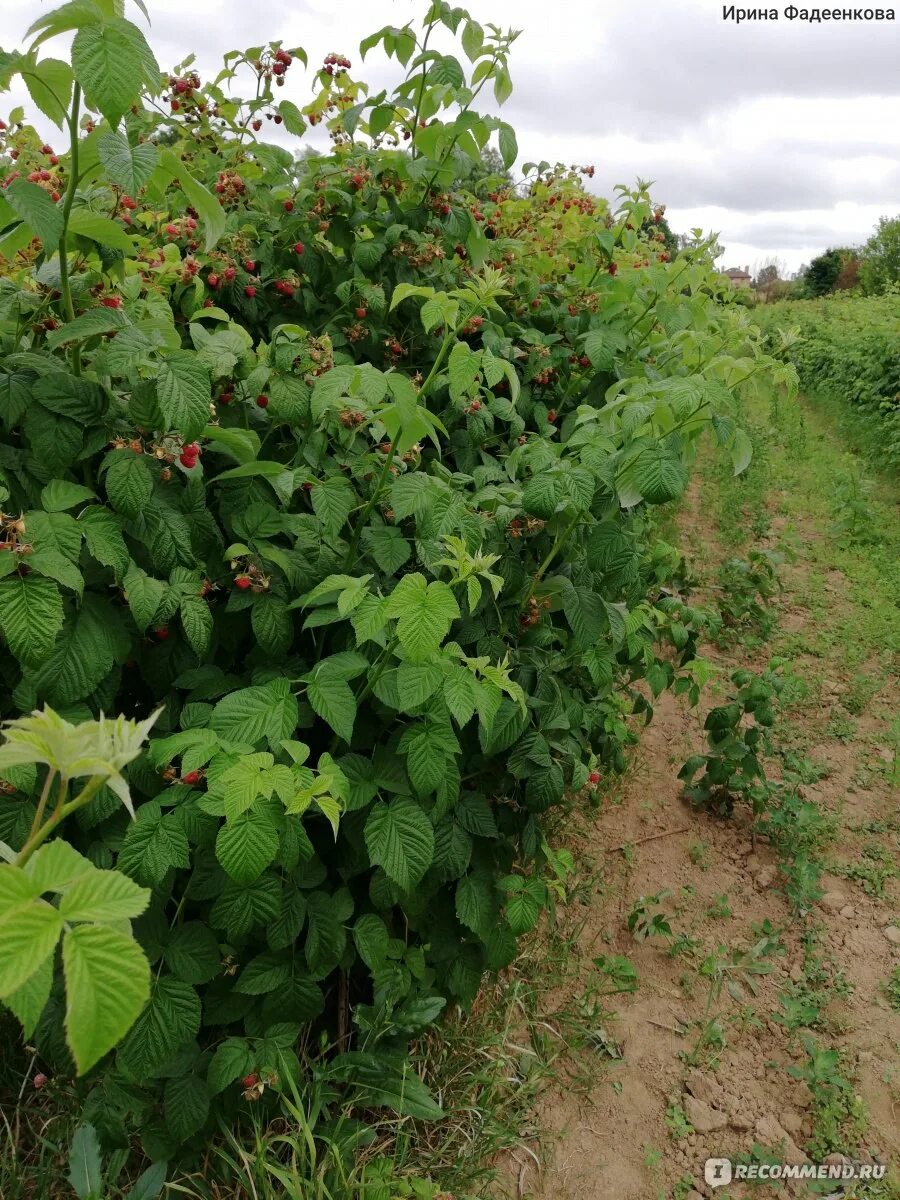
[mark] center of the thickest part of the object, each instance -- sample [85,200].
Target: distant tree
[766,276]
[821,274]
[880,259]
[848,276]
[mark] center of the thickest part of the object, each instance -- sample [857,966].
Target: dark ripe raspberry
[161,633]
[298,247]
[262,401]
[612,268]
[226,397]
[250,291]
[249,266]
[288,206]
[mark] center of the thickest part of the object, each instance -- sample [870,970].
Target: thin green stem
[561,538]
[42,803]
[64,284]
[62,811]
[420,98]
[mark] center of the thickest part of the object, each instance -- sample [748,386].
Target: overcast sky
[782,136]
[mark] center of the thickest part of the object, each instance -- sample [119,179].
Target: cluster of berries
[181,92]
[250,579]
[336,60]
[229,186]
[352,418]
[532,614]
[181,228]
[256,123]
[189,455]
[274,65]
[519,527]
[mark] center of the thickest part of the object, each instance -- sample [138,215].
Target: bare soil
[609,1137]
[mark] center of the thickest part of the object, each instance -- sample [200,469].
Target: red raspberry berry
[250,291]
[612,268]
[242,582]
[551,416]
[39,1080]
[361,312]
[187,460]
[298,247]
[288,206]
[213,281]
[249,1081]
[257,125]
[594,777]
[161,633]
[111,301]
[262,401]
[249,266]
[226,397]
[228,274]
[192,778]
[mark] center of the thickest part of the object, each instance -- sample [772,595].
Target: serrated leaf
[186,1105]
[659,476]
[272,625]
[475,904]
[128,167]
[424,612]
[113,62]
[49,84]
[333,500]
[107,985]
[129,483]
[103,897]
[59,495]
[400,839]
[37,210]
[192,953]
[197,623]
[170,1019]
[184,392]
[388,547]
[333,700]
[31,616]
[246,844]
[102,230]
[144,595]
[231,1061]
[102,531]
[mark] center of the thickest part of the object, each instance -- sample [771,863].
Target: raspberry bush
[352,475]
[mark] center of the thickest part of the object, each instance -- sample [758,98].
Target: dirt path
[677,1071]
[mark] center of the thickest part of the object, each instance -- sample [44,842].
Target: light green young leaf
[107,985]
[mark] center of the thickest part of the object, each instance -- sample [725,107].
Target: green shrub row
[849,350]
[349,477]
